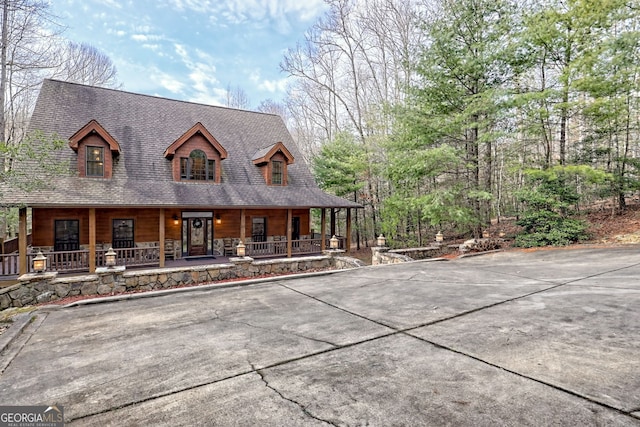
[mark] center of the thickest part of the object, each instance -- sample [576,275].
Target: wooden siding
[276,222]
[146,223]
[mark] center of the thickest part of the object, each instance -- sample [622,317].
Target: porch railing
[74,261]
[279,248]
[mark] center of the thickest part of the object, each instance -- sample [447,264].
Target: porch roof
[79,192]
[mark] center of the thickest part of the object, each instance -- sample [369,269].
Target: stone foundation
[47,287]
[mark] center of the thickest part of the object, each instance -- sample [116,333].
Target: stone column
[376,254]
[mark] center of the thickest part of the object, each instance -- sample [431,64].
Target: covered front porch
[177,232]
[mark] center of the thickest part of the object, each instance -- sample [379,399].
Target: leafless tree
[353,65]
[26,52]
[85,64]
[236,98]
[272,107]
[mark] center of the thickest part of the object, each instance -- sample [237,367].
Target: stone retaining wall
[423,253]
[385,255]
[46,287]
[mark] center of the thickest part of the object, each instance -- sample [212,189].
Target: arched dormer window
[196,156]
[197,167]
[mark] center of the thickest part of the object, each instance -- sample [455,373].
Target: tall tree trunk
[564,110]
[473,157]
[3,75]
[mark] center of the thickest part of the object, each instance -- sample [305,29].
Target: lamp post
[110,258]
[333,242]
[40,263]
[439,237]
[241,249]
[381,241]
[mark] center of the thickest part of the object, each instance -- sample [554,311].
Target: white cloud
[168,82]
[146,37]
[112,3]
[271,86]
[202,74]
[255,12]
[154,47]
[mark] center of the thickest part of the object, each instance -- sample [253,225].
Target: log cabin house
[158,179]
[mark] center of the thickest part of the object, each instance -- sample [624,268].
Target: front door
[197,236]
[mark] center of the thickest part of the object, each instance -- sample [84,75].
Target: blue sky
[193,49]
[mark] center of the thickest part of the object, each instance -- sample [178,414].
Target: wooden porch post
[323,229]
[348,242]
[92,240]
[333,222]
[243,225]
[22,241]
[161,237]
[289,243]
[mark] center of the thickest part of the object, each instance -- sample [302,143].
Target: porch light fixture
[382,241]
[439,237]
[241,249]
[39,263]
[110,258]
[333,242]
[176,220]
[218,219]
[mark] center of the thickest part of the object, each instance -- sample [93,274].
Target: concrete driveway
[508,339]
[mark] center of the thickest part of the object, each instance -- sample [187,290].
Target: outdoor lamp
[382,241]
[218,219]
[333,242]
[110,258]
[241,249]
[39,263]
[439,237]
[176,220]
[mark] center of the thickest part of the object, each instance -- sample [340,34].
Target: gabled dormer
[273,161]
[196,156]
[96,150]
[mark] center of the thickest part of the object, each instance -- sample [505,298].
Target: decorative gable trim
[264,155]
[195,129]
[94,127]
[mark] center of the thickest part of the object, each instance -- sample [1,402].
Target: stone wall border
[117,283]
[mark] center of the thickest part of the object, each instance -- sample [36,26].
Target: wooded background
[441,114]
[433,114]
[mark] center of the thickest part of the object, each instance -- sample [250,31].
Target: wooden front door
[197,236]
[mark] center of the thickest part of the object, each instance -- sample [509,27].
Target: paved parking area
[549,337]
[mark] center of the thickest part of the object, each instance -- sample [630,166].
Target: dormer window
[96,149]
[95,161]
[197,167]
[273,161]
[196,156]
[276,172]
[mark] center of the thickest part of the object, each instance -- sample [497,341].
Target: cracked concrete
[542,338]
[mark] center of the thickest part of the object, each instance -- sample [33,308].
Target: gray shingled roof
[145,126]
